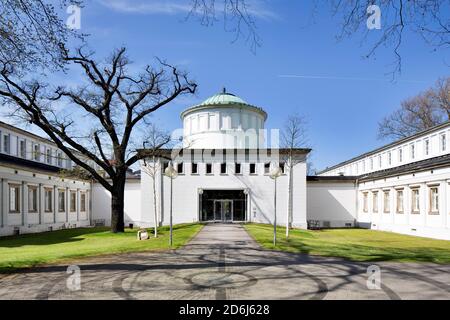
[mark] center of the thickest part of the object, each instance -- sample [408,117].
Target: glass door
[223,210]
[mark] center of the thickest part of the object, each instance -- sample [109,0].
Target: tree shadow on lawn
[357,252]
[50,237]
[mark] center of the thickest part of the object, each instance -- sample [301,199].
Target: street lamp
[274,174]
[172,174]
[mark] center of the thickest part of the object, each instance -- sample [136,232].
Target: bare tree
[32,34]
[100,116]
[154,141]
[293,136]
[418,113]
[429,19]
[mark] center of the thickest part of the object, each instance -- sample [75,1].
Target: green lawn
[49,247]
[354,244]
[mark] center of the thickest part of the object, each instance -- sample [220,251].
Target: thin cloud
[343,78]
[255,8]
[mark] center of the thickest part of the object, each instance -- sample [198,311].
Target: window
[252,168]
[237,168]
[400,155]
[379,161]
[371,163]
[283,165]
[23,149]
[434,200]
[267,168]
[48,196]
[365,202]
[375,201]
[165,166]
[427,147]
[386,201]
[37,153]
[49,156]
[14,198]
[60,159]
[6,143]
[194,168]
[73,201]
[390,158]
[399,207]
[415,200]
[223,168]
[208,168]
[413,151]
[61,201]
[180,167]
[83,202]
[32,199]
[443,142]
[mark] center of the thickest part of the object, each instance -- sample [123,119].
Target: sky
[300,67]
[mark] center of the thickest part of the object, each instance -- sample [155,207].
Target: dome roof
[224,99]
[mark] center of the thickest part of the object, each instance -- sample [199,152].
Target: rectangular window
[6,143]
[48,196]
[443,142]
[165,166]
[237,168]
[32,199]
[14,198]
[434,199]
[23,149]
[83,202]
[267,167]
[283,165]
[208,168]
[49,156]
[427,147]
[375,201]
[194,168]
[61,201]
[415,200]
[37,153]
[180,167]
[400,155]
[365,202]
[252,168]
[390,158]
[223,168]
[73,201]
[371,163]
[379,161]
[399,207]
[386,201]
[413,151]
[60,159]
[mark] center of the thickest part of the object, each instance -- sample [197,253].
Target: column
[40,203]
[55,203]
[5,202]
[24,199]
[77,204]
[67,204]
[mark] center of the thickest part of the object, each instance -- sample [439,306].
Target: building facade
[35,195]
[403,186]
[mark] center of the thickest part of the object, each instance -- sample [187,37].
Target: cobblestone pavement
[224,262]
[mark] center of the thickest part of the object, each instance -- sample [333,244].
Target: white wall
[101,203]
[334,202]
[261,193]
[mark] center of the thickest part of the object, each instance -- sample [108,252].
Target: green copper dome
[224,99]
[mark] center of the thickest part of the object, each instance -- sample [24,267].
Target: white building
[223,167]
[35,195]
[403,186]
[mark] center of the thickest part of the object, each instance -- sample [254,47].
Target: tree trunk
[117,204]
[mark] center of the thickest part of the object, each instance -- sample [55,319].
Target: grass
[50,247]
[354,244]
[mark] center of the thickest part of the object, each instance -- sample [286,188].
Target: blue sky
[342,95]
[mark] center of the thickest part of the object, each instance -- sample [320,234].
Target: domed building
[224,169]
[224,121]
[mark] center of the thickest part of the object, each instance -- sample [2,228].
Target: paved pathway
[223,262]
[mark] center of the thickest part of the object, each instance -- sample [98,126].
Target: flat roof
[331,178]
[387,146]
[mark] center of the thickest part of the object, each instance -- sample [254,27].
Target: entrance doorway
[223,210]
[223,206]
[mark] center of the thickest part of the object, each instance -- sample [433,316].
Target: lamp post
[274,174]
[172,174]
